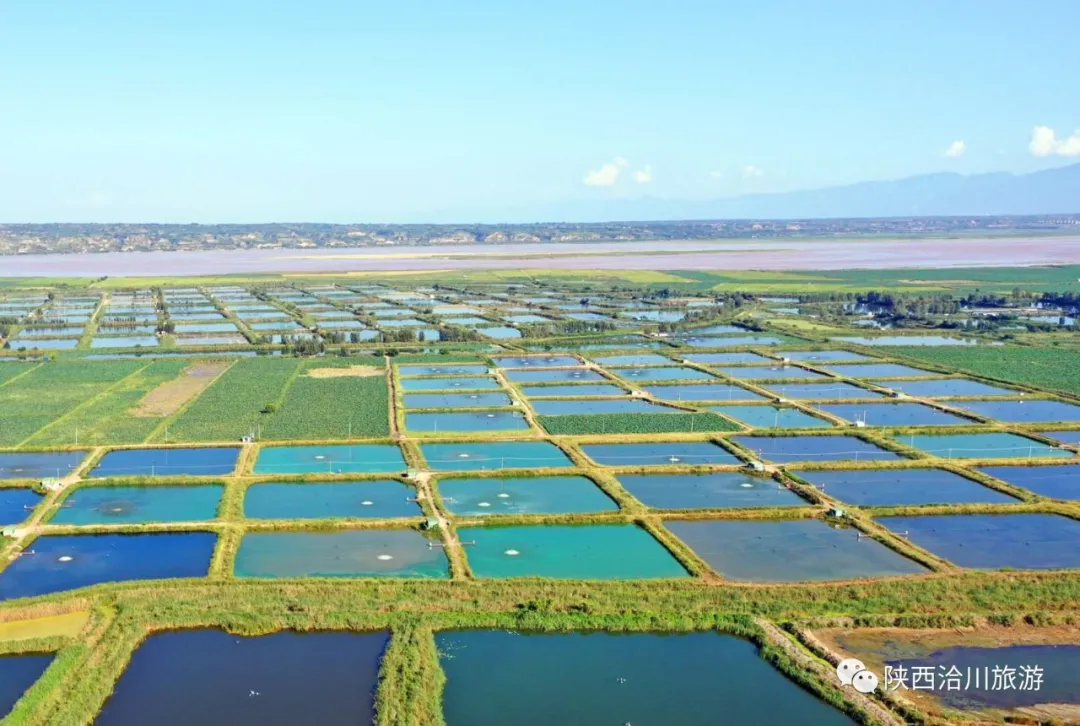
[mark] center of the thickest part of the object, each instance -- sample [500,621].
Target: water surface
[718,490]
[769,417]
[208,461]
[1056,482]
[356,459]
[1024,411]
[39,465]
[524,495]
[783,449]
[138,505]
[982,446]
[472,421]
[17,674]
[899,487]
[659,454]
[487,456]
[894,414]
[342,553]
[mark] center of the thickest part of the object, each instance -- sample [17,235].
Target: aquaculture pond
[728,358]
[940,387]
[585,389]
[828,391]
[488,456]
[704,392]
[356,459]
[656,316]
[789,551]
[124,341]
[443,370]
[39,465]
[456,400]
[501,333]
[342,553]
[576,552]
[825,356]
[1024,411]
[138,505]
[19,342]
[209,461]
[775,372]
[879,370]
[1071,438]
[770,417]
[893,414]
[783,449]
[497,677]
[982,446]
[472,421]
[211,678]
[1060,668]
[718,490]
[524,495]
[544,376]
[367,499]
[730,342]
[470,321]
[663,374]
[16,505]
[642,359]
[449,384]
[54,563]
[603,405]
[216,340]
[1055,481]
[690,453]
[993,541]
[17,674]
[900,487]
[536,361]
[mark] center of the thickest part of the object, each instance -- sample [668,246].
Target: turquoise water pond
[488,456]
[730,342]
[124,341]
[138,505]
[16,505]
[497,677]
[536,361]
[585,389]
[663,374]
[982,446]
[603,405]
[31,343]
[283,678]
[443,370]
[945,387]
[800,550]
[894,414]
[879,370]
[728,358]
[1054,481]
[17,674]
[473,421]
[704,392]
[719,490]
[768,417]
[994,541]
[900,487]
[829,391]
[821,356]
[643,359]
[367,499]
[356,459]
[578,552]
[524,495]
[784,449]
[38,465]
[66,562]
[344,553]
[779,373]
[449,384]
[456,400]
[1024,411]
[659,454]
[543,376]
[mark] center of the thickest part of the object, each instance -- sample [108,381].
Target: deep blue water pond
[1057,482]
[16,504]
[211,461]
[897,487]
[38,465]
[17,674]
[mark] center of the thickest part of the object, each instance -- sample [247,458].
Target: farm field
[690,480]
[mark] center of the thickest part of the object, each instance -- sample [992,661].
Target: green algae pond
[497,677]
[576,552]
[210,677]
[342,553]
[139,505]
[524,495]
[315,500]
[718,490]
[801,550]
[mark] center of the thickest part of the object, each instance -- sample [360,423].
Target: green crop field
[643,423]
[44,395]
[232,407]
[1057,370]
[333,407]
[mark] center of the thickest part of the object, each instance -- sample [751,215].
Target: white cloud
[1044,142]
[607,174]
[716,174]
[956,150]
[643,175]
[750,171]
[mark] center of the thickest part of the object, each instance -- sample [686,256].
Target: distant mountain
[1054,191]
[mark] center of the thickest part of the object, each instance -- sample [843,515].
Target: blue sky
[222,111]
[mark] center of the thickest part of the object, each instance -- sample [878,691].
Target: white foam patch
[747,486]
[65,558]
[483,504]
[384,558]
[367,503]
[504,495]
[512,553]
